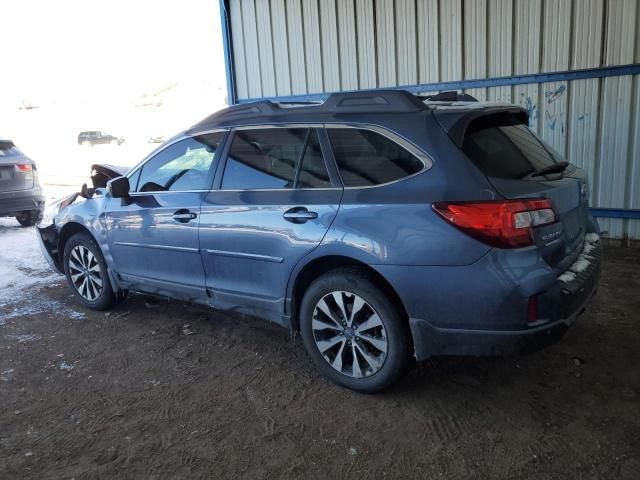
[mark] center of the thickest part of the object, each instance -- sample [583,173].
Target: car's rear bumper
[430,340]
[21,201]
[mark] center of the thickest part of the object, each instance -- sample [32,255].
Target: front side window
[183,166]
[367,158]
[275,158]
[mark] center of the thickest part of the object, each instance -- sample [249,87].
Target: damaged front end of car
[49,227]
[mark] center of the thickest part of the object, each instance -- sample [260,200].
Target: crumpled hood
[101,173]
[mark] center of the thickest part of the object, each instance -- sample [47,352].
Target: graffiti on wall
[554,115]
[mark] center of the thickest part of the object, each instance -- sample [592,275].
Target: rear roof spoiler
[455,121]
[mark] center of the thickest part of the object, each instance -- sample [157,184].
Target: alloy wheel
[85,273]
[349,334]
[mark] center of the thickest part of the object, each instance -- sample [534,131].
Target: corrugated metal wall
[292,47]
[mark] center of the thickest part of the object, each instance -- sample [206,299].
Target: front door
[274,203]
[153,235]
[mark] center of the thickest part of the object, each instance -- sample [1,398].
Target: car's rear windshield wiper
[555,168]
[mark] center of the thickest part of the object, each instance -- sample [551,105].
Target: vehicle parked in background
[156,139]
[20,192]
[380,226]
[96,137]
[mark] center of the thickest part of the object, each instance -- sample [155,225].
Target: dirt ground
[168,390]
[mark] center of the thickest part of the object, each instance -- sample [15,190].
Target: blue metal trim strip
[228,53]
[249,256]
[615,213]
[620,70]
[171,248]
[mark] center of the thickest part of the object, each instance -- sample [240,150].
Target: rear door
[16,171]
[515,161]
[275,200]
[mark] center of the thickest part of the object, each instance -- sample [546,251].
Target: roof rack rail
[450,96]
[363,101]
[373,100]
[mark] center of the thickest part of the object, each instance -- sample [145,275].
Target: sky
[74,49]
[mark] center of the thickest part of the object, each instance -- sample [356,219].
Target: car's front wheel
[86,272]
[354,333]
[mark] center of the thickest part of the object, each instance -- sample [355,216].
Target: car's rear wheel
[86,272]
[29,218]
[353,331]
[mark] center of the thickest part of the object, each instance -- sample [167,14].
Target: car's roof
[360,106]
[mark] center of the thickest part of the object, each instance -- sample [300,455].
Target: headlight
[50,211]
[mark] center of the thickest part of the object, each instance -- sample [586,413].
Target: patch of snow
[66,366]
[22,265]
[26,338]
[567,277]
[591,237]
[6,375]
[584,259]
[37,304]
[580,265]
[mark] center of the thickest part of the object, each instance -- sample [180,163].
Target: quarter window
[270,159]
[367,158]
[183,166]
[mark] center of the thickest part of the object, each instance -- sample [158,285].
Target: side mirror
[118,187]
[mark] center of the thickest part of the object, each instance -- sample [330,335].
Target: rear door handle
[184,216]
[299,215]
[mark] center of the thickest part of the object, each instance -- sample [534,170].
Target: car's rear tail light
[24,167]
[503,224]
[532,310]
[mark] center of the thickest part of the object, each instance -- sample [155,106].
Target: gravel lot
[168,390]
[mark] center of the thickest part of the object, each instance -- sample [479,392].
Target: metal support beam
[563,76]
[228,52]
[615,213]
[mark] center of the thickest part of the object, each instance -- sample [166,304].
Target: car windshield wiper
[555,168]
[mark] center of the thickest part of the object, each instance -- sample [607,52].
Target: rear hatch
[16,170]
[520,165]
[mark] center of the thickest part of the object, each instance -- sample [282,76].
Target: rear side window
[367,158]
[275,158]
[502,147]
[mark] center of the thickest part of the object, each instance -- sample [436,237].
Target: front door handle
[184,216]
[299,215]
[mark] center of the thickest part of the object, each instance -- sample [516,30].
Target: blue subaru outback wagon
[380,226]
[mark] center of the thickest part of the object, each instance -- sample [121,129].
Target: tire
[377,335]
[29,218]
[87,274]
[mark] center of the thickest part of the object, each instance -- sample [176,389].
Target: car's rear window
[8,149]
[501,146]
